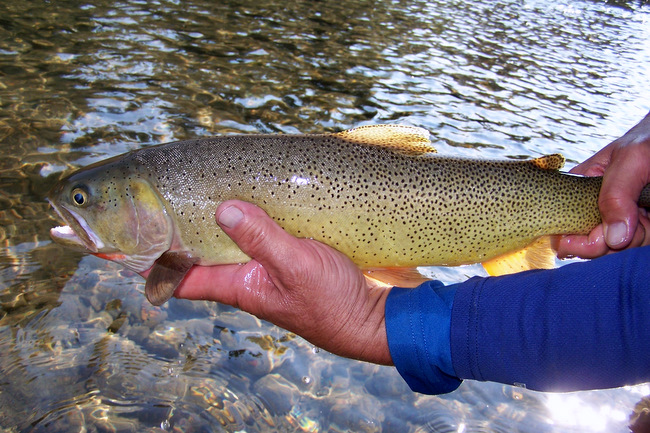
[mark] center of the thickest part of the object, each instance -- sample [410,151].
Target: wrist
[368,340]
[418,324]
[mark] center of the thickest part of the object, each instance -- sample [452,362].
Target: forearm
[581,326]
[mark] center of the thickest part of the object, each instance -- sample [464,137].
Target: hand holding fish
[625,167]
[299,284]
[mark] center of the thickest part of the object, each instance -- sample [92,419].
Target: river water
[80,349]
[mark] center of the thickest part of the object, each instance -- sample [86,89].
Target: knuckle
[252,237]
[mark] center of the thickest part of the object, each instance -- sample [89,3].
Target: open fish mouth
[77,234]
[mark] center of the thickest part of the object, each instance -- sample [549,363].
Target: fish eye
[79,196]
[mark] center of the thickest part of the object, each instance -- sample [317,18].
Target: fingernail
[230,217]
[615,233]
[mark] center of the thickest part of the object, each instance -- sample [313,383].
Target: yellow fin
[402,277]
[410,140]
[549,162]
[538,255]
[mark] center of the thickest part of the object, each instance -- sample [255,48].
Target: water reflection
[80,346]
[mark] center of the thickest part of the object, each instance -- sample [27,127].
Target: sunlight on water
[570,411]
[81,349]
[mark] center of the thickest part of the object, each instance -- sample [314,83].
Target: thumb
[256,234]
[258,285]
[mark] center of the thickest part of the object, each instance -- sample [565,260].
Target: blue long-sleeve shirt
[581,326]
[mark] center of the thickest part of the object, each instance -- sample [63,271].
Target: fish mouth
[77,234]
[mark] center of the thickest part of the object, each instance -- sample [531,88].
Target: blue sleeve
[581,326]
[417,327]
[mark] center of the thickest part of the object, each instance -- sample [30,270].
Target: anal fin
[537,255]
[401,277]
[166,274]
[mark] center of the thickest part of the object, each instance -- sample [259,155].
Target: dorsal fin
[548,162]
[410,140]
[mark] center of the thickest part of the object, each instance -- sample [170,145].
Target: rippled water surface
[80,349]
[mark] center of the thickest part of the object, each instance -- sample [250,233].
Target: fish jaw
[64,235]
[77,234]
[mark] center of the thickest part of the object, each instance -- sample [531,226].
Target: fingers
[623,181]
[624,165]
[588,247]
[593,245]
[215,283]
[622,184]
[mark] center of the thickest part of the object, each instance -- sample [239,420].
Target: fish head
[112,211]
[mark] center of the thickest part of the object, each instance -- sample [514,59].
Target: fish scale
[378,194]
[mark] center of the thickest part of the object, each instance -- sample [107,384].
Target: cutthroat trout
[379,194]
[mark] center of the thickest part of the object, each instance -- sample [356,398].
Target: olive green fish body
[377,194]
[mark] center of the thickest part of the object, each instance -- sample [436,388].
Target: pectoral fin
[401,277]
[166,274]
[538,255]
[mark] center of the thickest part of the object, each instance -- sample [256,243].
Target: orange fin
[115,257]
[402,277]
[538,255]
[549,162]
[409,140]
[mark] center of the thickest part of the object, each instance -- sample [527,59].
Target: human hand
[301,285]
[625,167]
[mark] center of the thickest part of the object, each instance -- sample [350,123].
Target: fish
[379,194]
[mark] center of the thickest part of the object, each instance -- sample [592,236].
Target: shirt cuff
[418,323]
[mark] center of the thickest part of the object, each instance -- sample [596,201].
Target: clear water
[80,349]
